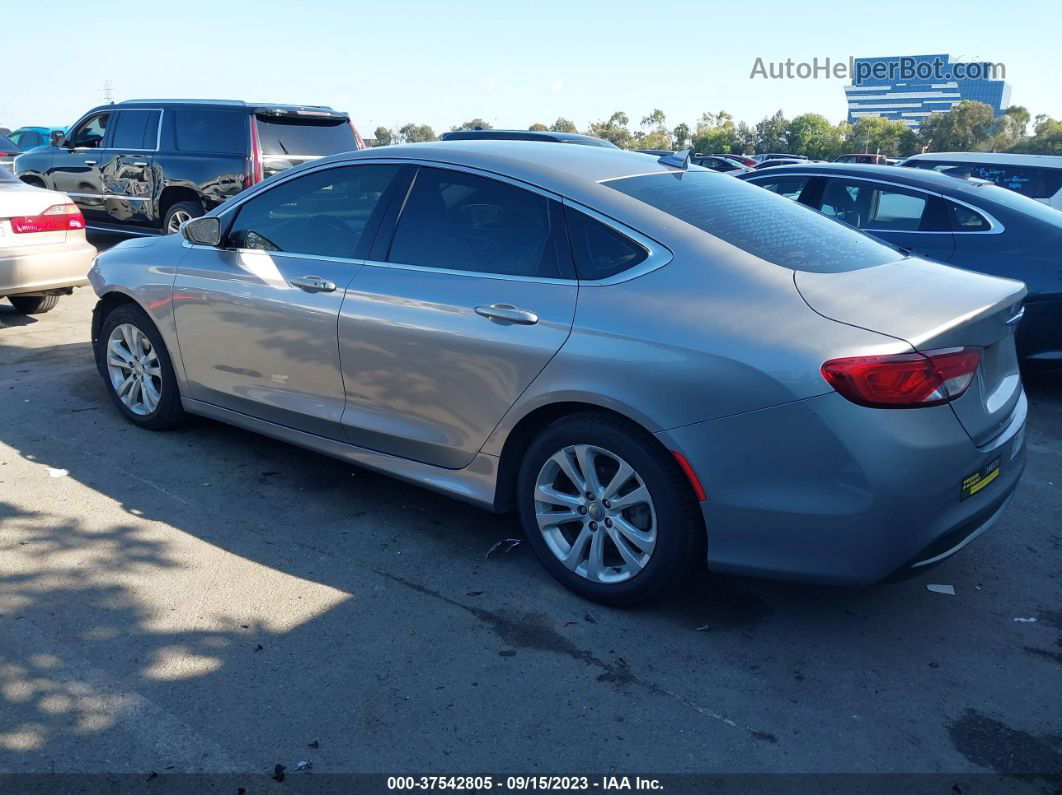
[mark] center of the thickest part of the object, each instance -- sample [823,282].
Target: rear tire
[179,213]
[647,524]
[137,370]
[34,304]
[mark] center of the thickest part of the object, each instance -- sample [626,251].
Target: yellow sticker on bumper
[972,484]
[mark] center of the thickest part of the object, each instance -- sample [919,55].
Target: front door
[256,318]
[127,167]
[76,166]
[440,335]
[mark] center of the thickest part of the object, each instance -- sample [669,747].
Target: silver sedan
[652,363]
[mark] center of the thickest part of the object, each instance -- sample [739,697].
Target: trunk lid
[930,307]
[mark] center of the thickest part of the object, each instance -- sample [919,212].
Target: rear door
[127,171]
[76,165]
[444,329]
[256,318]
[912,219]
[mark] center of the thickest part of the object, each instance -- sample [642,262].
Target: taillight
[905,380]
[358,142]
[254,162]
[57,218]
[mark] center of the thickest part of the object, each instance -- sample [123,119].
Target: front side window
[321,214]
[790,187]
[215,131]
[774,229]
[868,206]
[90,134]
[464,222]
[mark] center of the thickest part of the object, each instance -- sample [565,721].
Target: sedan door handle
[507,313]
[91,162]
[138,163]
[313,284]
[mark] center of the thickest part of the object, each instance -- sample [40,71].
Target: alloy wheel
[595,513]
[178,218]
[134,369]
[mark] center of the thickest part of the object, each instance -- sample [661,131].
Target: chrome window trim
[658,254]
[995,227]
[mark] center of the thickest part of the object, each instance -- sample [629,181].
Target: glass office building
[908,88]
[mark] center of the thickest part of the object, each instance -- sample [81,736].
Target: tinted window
[90,134]
[790,187]
[600,251]
[217,131]
[864,205]
[767,226]
[302,137]
[321,214]
[465,222]
[1027,180]
[963,219]
[27,139]
[135,129]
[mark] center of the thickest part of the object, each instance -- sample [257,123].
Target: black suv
[149,165]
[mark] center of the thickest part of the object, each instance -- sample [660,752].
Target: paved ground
[211,600]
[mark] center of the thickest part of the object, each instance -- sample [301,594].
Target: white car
[1036,176]
[43,249]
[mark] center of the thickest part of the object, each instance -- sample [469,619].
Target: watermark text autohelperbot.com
[904,68]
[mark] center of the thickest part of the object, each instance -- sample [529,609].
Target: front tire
[137,369]
[179,213]
[34,304]
[607,510]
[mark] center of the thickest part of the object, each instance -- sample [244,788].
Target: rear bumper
[41,268]
[822,490]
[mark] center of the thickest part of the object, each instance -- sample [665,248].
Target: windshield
[305,137]
[758,221]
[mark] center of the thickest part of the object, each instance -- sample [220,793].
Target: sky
[511,63]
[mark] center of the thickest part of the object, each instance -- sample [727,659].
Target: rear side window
[215,131]
[298,137]
[465,222]
[600,251]
[790,187]
[135,129]
[767,226]
[321,214]
[963,219]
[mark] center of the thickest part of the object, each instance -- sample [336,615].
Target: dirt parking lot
[211,600]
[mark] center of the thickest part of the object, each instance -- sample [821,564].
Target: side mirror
[57,138]
[204,231]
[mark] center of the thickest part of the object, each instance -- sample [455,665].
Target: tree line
[967,127]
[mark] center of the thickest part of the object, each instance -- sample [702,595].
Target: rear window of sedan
[755,220]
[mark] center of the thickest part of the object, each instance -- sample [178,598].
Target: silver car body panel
[712,349]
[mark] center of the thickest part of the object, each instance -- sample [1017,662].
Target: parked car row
[149,165]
